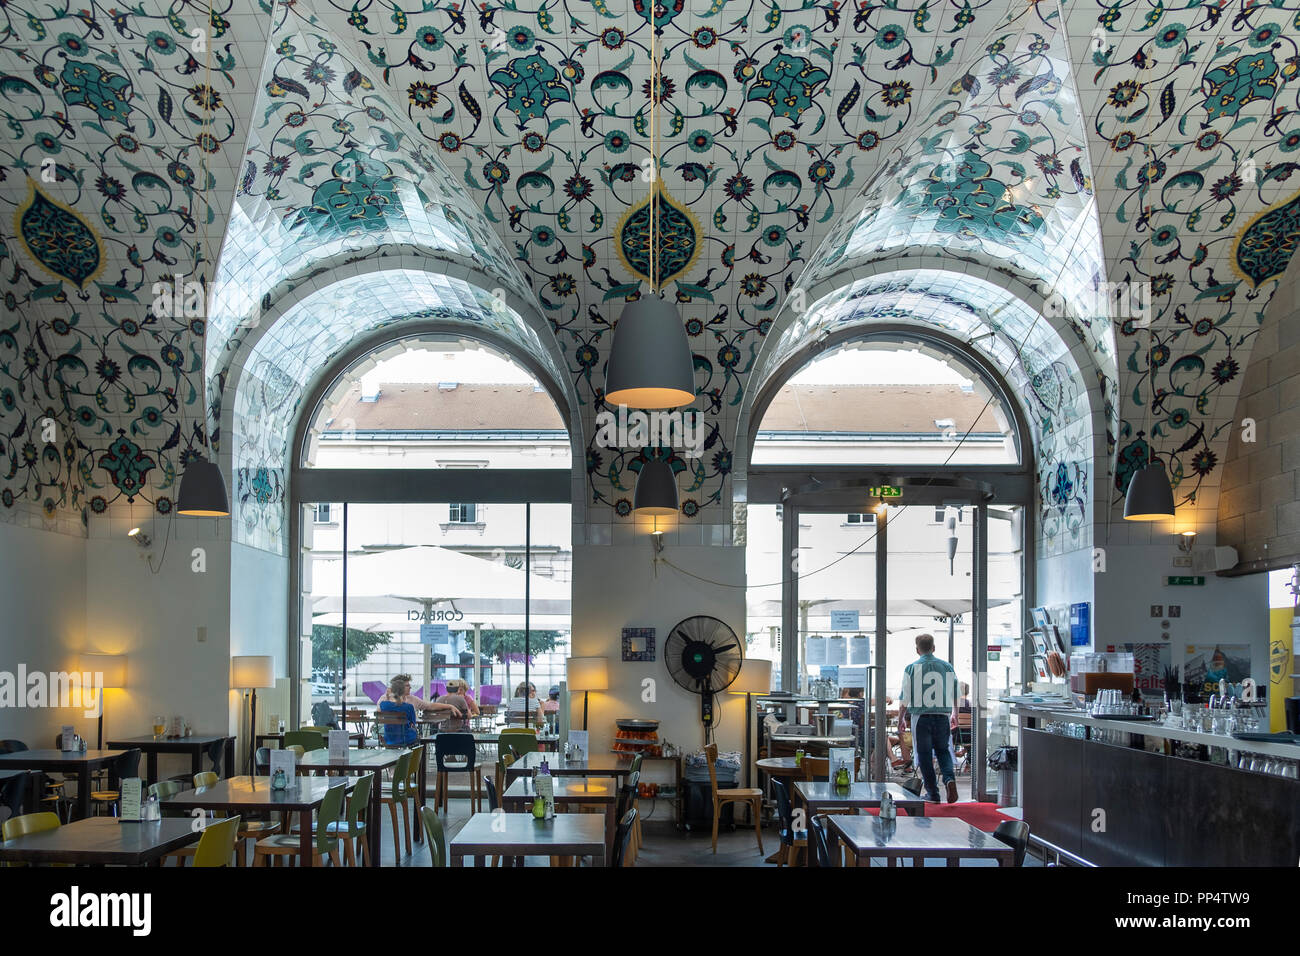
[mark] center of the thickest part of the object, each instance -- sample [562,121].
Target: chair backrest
[217,845]
[401,772]
[127,765]
[13,791]
[331,810]
[459,747]
[299,749]
[12,746]
[491,786]
[208,778]
[165,789]
[711,755]
[636,762]
[1015,834]
[413,768]
[623,836]
[307,739]
[522,740]
[627,793]
[29,823]
[437,838]
[262,760]
[394,723]
[817,837]
[358,802]
[783,810]
[217,754]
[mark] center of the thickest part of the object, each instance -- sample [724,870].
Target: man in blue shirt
[930,694]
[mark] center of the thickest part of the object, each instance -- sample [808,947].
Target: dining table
[513,835]
[570,793]
[81,762]
[914,838]
[374,762]
[196,746]
[243,795]
[591,765]
[354,736]
[102,841]
[818,796]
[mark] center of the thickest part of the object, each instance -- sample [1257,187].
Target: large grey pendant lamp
[203,488]
[650,363]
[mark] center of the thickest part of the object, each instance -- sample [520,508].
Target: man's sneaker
[952,791]
[932,798]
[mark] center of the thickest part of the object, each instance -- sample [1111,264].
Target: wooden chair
[353,830]
[961,737]
[288,845]
[435,837]
[388,718]
[751,797]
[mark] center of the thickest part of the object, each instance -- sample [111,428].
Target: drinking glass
[159,726]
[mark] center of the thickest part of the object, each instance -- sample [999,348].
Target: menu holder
[129,800]
[838,755]
[68,740]
[545,788]
[338,744]
[287,761]
[578,740]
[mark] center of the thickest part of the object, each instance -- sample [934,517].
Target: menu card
[287,761]
[578,739]
[129,799]
[68,740]
[339,742]
[544,787]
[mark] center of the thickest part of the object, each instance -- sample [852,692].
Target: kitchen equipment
[824,724]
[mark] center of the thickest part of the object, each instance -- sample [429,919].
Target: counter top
[1150,728]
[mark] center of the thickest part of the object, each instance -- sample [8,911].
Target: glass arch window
[886,402]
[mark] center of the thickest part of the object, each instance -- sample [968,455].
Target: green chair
[289,845]
[306,739]
[437,838]
[358,804]
[515,741]
[217,844]
[396,793]
[208,778]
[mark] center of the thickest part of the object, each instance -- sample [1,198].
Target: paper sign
[853,677]
[67,739]
[435,634]
[837,651]
[859,650]
[844,621]
[816,651]
[129,805]
[339,742]
[287,761]
[578,739]
[545,788]
[840,755]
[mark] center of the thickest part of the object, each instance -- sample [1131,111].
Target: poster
[1280,657]
[1151,664]
[1207,664]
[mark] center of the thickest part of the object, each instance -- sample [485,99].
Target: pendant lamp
[656,489]
[650,361]
[1150,497]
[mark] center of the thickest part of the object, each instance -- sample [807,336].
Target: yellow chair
[29,823]
[207,778]
[750,796]
[217,844]
[395,793]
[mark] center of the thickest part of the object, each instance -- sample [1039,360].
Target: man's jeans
[930,739]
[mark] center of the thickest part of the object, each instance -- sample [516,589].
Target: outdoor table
[593,765]
[519,834]
[570,792]
[102,841]
[243,795]
[915,838]
[81,762]
[196,746]
[374,762]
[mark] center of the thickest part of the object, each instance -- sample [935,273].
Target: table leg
[456,860]
[953,861]
[83,791]
[305,843]
[374,819]
[228,765]
[611,829]
[196,762]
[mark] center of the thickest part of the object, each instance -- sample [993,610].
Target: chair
[437,839]
[307,739]
[1015,834]
[516,741]
[493,805]
[463,755]
[636,762]
[751,797]
[12,746]
[622,837]
[819,768]
[389,718]
[627,795]
[793,842]
[395,793]
[298,749]
[288,845]
[358,804]
[217,844]
[13,793]
[29,823]
[127,765]
[961,737]
[262,760]
[817,839]
[208,778]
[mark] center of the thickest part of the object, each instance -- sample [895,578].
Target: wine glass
[159,726]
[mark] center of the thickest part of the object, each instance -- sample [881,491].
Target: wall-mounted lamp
[1186,541]
[142,539]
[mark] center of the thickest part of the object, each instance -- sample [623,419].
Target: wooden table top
[858,794]
[147,741]
[917,836]
[369,759]
[568,790]
[55,759]
[518,834]
[255,793]
[102,840]
[599,764]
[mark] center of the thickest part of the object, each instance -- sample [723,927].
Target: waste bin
[1006,761]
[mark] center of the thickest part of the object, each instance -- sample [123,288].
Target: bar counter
[1117,805]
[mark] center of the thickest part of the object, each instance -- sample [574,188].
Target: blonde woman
[400,700]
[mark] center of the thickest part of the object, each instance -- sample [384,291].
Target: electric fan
[704,656]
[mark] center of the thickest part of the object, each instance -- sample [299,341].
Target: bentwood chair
[623,837]
[217,844]
[793,842]
[435,837]
[289,845]
[818,841]
[751,797]
[395,794]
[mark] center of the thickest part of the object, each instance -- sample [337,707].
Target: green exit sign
[886,491]
[1185,580]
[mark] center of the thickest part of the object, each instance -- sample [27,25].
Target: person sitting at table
[529,692]
[458,696]
[399,699]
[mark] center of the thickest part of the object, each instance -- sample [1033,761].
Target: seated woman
[529,693]
[458,696]
[399,700]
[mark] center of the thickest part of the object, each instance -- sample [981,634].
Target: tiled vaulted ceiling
[514,136]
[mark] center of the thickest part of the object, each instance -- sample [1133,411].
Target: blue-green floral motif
[92,86]
[971,203]
[127,465]
[668,10]
[676,236]
[1241,82]
[59,240]
[362,197]
[530,85]
[1265,247]
[787,84]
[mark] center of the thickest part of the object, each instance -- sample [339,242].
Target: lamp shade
[112,666]
[586,673]
[252,671]
[755,677]
[650,362]
[203,491]
[656,489]
[1149,498]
